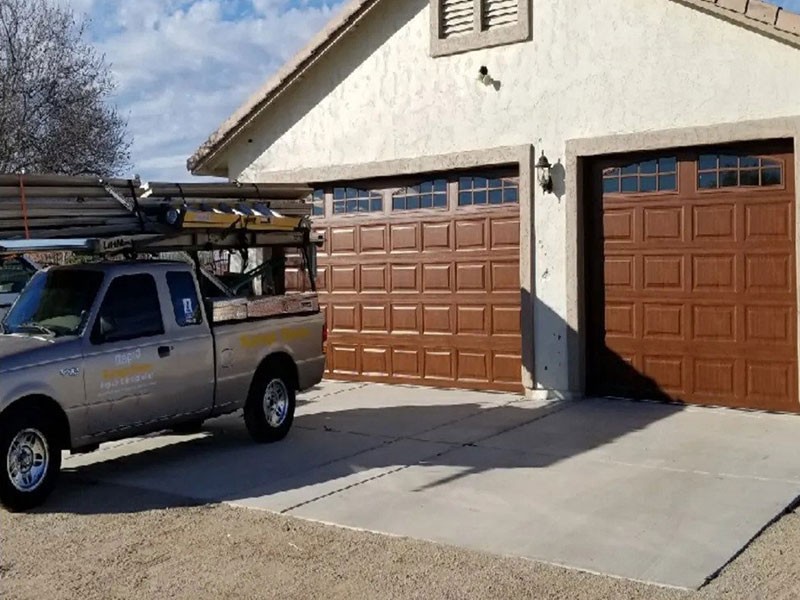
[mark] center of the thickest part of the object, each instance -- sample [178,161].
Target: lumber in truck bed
[224,310]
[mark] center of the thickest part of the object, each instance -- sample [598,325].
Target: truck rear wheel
[31,459]
[269,411]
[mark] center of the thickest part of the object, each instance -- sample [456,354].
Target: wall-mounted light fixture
[543,170]
[484,77]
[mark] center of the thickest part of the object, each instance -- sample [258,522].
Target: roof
[757,15]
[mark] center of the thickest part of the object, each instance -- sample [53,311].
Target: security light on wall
[543,170]
[484,77]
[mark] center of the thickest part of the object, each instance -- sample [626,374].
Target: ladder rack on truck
[65,207]
[108,217]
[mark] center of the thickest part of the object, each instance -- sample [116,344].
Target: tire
[30,459]
[269,411]
[188,427]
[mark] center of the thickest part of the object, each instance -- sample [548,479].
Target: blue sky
[183,66]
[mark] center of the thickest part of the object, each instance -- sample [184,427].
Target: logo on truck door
[70,372]
[127,358]
[127,373]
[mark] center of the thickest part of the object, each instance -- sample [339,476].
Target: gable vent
[499,13]
[458,17]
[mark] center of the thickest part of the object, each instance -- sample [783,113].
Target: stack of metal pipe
[60,206]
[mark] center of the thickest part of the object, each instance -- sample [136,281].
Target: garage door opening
[691,276]
[420,280]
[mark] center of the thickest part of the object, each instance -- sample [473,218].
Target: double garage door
[690,279]
[421,283]
[691,289]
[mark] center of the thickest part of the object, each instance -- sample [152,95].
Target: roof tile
[739,6]
[762,11]
[788,21]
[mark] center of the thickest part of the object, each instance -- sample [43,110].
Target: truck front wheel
[31,460]
[269,411]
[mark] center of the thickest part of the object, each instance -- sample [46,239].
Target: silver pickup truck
[100,352]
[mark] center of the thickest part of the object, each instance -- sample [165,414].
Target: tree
[55,89]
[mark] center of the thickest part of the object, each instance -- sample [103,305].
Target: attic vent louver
[500,13]
[466,25]
[458,17]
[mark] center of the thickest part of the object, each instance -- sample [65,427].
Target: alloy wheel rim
[276,403]
[27,460]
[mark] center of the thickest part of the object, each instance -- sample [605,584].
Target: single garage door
[691,277]
[420,281]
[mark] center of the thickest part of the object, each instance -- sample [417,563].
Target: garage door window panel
[645,177]
[349,200]
[426,195]
[718,171]
[487,191]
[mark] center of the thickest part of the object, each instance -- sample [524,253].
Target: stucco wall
[592,69]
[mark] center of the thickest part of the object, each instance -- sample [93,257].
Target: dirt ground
[106,542]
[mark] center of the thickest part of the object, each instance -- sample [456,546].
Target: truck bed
[241,346]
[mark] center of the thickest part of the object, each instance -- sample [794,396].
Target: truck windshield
[54,303]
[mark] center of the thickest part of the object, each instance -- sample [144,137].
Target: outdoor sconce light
[543,169]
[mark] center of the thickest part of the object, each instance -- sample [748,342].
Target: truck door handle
[164,351]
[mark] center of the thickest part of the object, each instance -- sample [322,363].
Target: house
[655,258]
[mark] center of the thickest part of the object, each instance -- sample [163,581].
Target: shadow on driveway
[329,450]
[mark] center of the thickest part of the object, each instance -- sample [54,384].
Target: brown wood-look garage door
[424,296]
[691,271]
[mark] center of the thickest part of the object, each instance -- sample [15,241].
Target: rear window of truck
[183,294]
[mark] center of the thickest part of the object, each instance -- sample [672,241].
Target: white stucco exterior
[592,69]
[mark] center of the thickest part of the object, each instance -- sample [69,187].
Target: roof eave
[211,165]
[761,17]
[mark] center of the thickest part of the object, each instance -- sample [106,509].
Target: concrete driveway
[651,492]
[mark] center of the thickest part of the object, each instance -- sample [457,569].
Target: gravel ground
[108,542]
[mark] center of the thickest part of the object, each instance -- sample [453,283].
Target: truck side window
[183,294]
[130,310]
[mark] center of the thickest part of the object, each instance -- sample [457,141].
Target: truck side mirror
[103,330]
[106,327]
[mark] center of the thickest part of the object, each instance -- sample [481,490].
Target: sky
[183,66]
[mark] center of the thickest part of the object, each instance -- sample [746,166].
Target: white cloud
[183,66]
